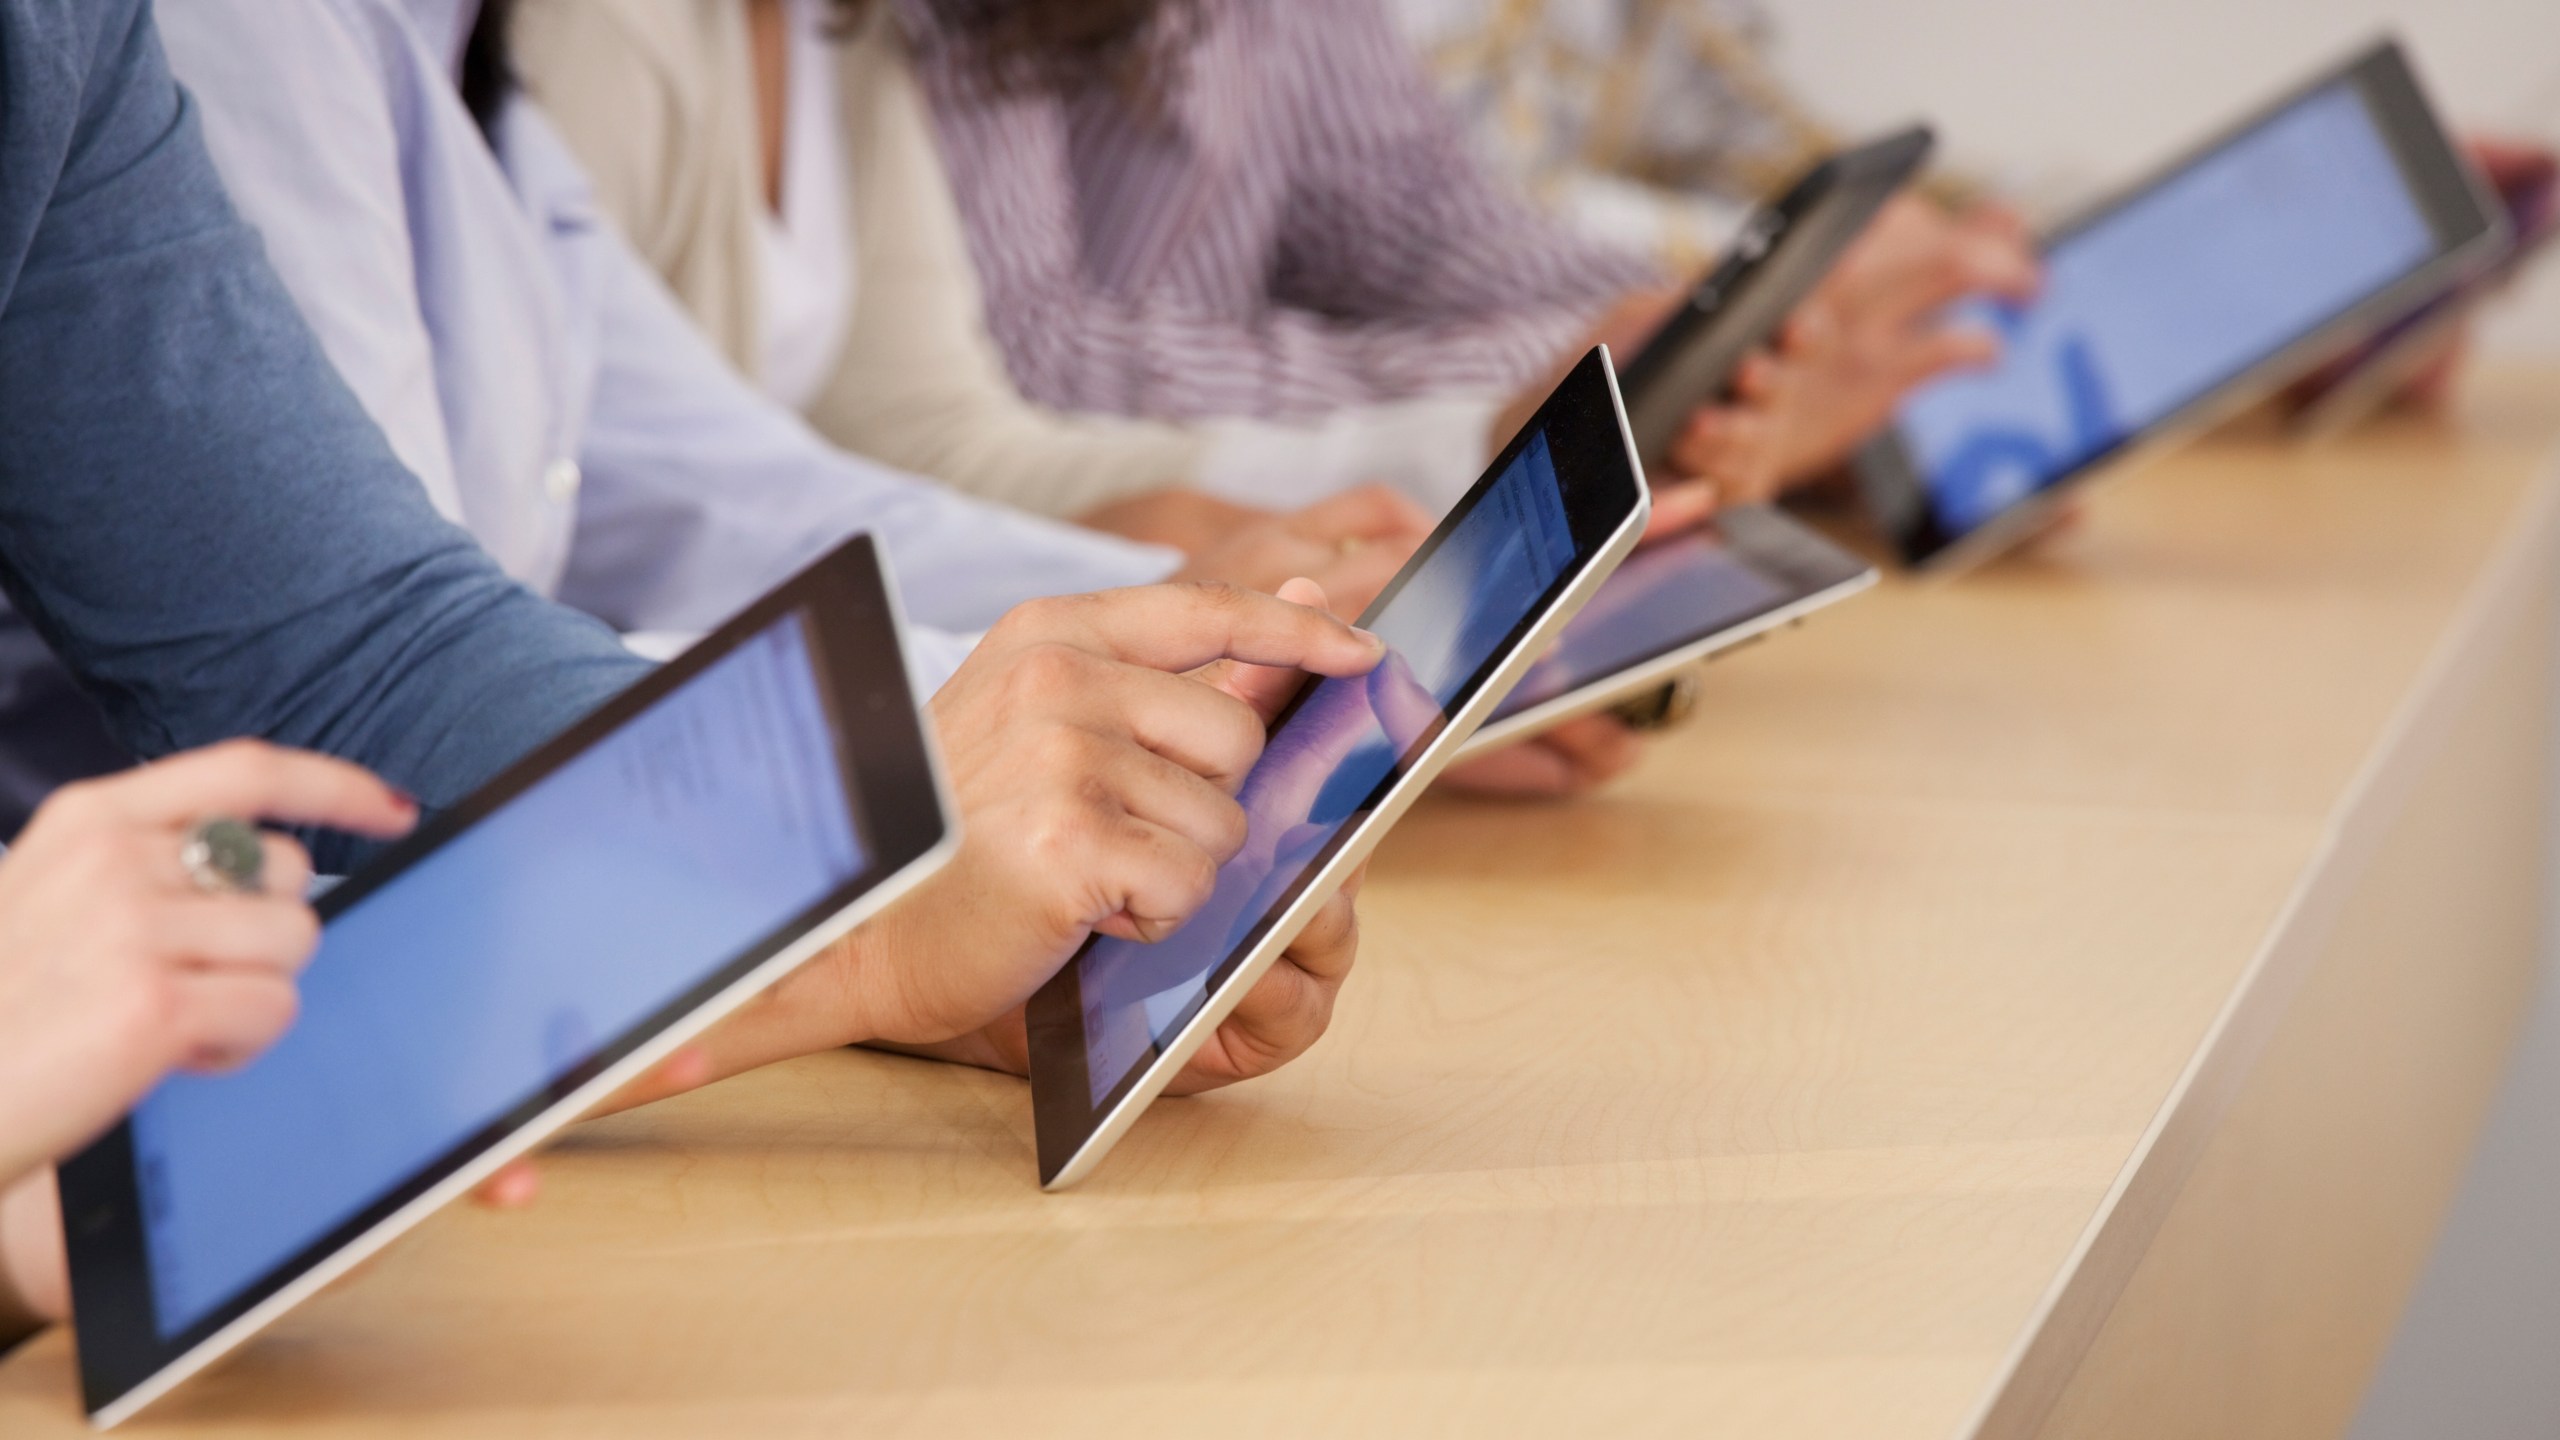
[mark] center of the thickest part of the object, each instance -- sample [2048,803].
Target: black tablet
[1783,252]
[2221,276]
[491,977]
[1511,563]
[1675,603]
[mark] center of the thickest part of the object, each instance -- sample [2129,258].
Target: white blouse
[808,276]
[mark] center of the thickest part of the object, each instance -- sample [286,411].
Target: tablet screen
[1674,594]
[1334,753]
[498,965]
[2168,297]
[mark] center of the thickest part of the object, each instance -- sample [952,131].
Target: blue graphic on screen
[1334,754]
[499,964]
[1670,593]
[2181,290]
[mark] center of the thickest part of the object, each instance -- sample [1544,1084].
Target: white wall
[2060,96]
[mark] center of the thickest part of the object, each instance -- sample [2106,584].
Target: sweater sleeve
[921,384]
[194,511]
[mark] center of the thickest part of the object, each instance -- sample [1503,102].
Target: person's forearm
[19,1315]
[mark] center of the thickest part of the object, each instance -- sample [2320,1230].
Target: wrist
[24,1222]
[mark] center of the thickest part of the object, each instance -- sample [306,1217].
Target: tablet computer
[2347,390]
[1783,252]
[1560,507]
[2197,291]
[1673,604]
[488,979]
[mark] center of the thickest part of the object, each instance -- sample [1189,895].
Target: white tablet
[2229,273]
[1483,597]
[490,978]
[1673,604]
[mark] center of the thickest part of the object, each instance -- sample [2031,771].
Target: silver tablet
[1482,598]
[489,979]
[1673,604]
[2194,293]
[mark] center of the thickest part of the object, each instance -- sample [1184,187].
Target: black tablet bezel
[1761,538]
[1601,488]
[2440,180]
[1784,252]
[891,780]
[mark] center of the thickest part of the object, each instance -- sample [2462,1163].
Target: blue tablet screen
[1333,757]
[2165,299]
[481,975]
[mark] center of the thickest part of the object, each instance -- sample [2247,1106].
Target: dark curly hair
[488,76]
[1017,46]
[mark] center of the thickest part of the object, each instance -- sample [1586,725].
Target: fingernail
[1371,637]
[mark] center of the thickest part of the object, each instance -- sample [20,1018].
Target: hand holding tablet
[2202,287]
[1557,512]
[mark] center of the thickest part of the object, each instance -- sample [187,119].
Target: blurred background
[2059,98]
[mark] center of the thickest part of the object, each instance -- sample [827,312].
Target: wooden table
[2059,1002]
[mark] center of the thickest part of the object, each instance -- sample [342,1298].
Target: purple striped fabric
[1299,228]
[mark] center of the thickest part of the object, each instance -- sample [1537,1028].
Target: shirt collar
[445,26]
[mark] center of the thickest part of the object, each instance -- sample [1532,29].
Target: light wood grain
[1782,1089]
[2273,1282]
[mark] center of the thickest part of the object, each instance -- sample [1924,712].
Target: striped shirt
[1296,226]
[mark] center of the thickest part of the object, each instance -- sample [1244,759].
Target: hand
[1184,519]
[1350,544]
[1875,330]
[1577,756]
[1739,448]
[1284,1014]
[1735,448]
[1095,778]
[2507,165]
[116,969]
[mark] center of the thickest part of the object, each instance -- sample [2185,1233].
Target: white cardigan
[657,97]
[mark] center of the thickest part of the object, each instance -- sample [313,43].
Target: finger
[1186,626]
[1266,688]
[248,932]
[689,1068]
[1206,730]
[1596,747]
[227,1017]
[1288,1010]
[253,780]
[1154,789]
[1680,506]
[516,1185]
[1941,351]
[1735,448]
[1148,880]
[1326,948]
[1756,379]
[1526,771]
[1353,580]
[1369,512]
[287,874]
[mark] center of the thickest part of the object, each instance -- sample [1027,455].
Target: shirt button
[560,481]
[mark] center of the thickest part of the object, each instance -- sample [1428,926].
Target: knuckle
[1195,876]
[1220,595]
[149,1018]
[1230,828]
[1042,616]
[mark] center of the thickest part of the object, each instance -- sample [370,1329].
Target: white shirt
[809,261]
[529,368]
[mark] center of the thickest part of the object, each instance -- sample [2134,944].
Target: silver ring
[223,855]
